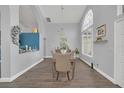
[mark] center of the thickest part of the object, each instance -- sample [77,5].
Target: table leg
[53,69]
[73,70]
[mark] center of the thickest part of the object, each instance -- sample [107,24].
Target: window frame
[120,10]
[83,29]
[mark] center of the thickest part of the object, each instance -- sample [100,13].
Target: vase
[63,51]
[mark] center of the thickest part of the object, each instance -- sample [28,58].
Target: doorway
[119,52]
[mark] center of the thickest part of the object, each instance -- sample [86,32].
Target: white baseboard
[101,72]
[20,73]
[105,75]
[48,56]
[5,80]
[88,63]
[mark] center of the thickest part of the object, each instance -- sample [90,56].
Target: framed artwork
[101,31]
[15,34]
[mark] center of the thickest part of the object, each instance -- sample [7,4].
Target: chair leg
[53,69]
[52,72]
[57,75]
[68,75]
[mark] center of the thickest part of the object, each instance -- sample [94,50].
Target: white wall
[5,41]
[13,62]
[103,52]
[72,32]
[20,62]
[27,19]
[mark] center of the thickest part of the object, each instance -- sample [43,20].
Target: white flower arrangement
[63,42]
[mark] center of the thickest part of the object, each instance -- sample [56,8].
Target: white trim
[87,55]
[119,10]
[105,75]
[48,57]
[25,70]
[119,18]
[101,72]
[115,56]
[5,80]
[20,73]
[88,63]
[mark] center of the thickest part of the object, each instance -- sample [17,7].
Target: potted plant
[77,53]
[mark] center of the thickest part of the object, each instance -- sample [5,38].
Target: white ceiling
[70,13]
[26,16]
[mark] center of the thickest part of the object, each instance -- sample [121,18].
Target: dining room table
[72,61]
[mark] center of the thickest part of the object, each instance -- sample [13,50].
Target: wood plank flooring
[40,76]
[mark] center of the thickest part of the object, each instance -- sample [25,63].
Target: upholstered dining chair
[72,54]
[68,51]
[63,64]
[58,51]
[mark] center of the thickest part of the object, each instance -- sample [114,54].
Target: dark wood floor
[40,76]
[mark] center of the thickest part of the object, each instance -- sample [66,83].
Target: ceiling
[63,13]
[26,16]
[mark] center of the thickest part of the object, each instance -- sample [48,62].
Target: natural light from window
[87,34]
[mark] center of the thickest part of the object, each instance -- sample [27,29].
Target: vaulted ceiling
[63,13]
[26,16]
[56,14]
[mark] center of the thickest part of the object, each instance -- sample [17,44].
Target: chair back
[58,51]
[63,62]
[72,54]
[68,51]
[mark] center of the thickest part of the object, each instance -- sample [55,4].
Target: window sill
[87,55]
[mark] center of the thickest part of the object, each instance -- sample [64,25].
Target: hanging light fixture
[62,10]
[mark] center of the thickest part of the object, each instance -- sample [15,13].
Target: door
[119,52]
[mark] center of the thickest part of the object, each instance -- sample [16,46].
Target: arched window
[87,34]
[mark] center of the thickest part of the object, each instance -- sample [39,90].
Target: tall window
[87,34]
